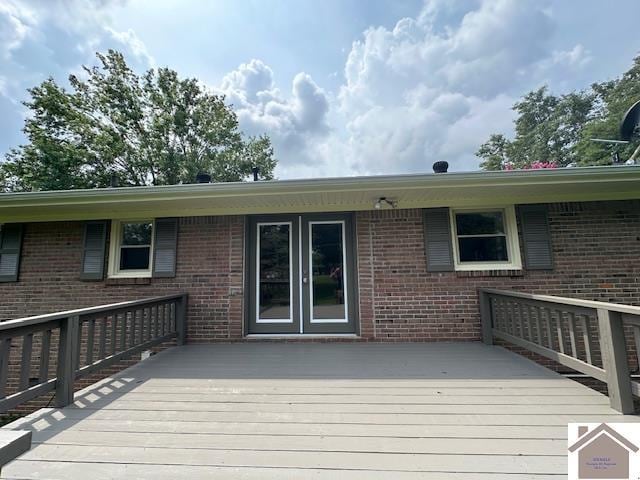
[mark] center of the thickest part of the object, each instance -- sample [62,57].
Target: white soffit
[329,194]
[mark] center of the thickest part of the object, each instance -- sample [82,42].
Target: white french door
[301,274]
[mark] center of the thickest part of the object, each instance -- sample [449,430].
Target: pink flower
[539,165]
[532,166]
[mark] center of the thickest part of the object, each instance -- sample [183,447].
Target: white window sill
[130,275]
[483,267]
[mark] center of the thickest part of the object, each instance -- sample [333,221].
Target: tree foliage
[557,130]
[153,129]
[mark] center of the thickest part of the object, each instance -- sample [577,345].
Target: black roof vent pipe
[441,167]
[203,177]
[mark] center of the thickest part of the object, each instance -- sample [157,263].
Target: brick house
[381,258]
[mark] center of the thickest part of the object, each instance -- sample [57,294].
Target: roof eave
[318,194]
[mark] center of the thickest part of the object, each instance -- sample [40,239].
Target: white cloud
[129,42]
[430,88]
[15,24]
[292,122]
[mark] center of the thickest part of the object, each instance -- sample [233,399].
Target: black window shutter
[164,247]
[93,248]
[10,246]
[534,220]
[437,238]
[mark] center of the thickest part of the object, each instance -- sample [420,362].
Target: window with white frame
[485,239]
[131,250]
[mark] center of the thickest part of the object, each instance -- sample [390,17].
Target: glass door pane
[327,272]
[274,273]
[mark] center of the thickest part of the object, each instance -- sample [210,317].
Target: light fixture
[384,201]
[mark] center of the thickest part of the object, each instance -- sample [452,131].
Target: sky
[342,87]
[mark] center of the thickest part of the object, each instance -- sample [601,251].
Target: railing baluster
[506,318]
[134,319]
[571,319]
[102,346]
[538,325]
[521,321]
[497,316]
[518,311]
[558,317]
[512,318]
[547,314]
[77,343]
[586,338]
[45,353]
[181,321]
[155,320]
[143,324]
[25,363]
[123,332]
[5,352]
[91,325]
[114,332]
[636,342]
[149,323]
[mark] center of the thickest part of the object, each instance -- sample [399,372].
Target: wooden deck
[321,411]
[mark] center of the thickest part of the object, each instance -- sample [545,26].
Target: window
[131,248]
[486,239]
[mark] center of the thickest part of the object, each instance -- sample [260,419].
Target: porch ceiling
[330,194]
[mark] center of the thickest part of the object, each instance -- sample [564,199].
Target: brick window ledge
[490,273]
[128,281]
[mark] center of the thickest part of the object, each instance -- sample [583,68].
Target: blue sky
[342,87]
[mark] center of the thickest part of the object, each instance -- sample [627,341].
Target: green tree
[558,130]
[154,129]
[546,131]
[494,152]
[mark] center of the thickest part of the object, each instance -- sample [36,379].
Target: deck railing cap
[49,317]
[594,304]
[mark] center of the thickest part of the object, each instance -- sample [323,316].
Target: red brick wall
[596,252]
[210,251]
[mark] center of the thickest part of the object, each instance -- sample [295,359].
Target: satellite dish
[630,122]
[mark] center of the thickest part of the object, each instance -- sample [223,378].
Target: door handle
[305,280]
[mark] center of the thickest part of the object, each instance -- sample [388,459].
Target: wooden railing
[49,352]
[586,336]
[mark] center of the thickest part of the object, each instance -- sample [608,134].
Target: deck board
[352,411]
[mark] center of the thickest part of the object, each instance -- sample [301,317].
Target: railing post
[485,318]
[181,320]
[66,361]
[614,360]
